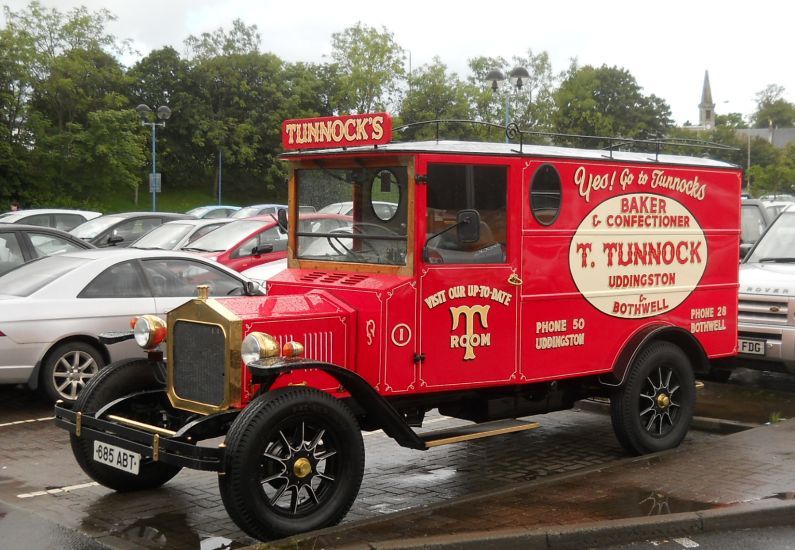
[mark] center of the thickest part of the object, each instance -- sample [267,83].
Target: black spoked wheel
[652,411]
[114,381]
[295,460]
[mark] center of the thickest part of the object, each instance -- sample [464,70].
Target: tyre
[67,369]
[294,463]
[652,411]
[117,380]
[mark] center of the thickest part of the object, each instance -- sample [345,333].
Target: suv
[767,300]
[756,216]
[510,280]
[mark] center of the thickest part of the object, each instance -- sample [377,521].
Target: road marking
[57,490]
[686,542]
[5,424]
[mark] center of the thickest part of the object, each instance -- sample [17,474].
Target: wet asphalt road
[46,501]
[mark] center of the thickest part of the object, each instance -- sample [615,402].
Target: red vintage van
[503,280]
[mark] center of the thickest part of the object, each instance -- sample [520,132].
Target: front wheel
[68,368]
[652,411]
[114,381]
[294,463]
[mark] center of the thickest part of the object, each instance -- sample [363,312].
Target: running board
[474,431]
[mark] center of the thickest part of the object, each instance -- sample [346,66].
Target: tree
[772,110]
[242,39]
[607,101]
[436,95]
[370,64]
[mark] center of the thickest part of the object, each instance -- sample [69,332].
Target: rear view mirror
[468,222]
[263,248]
[115,238]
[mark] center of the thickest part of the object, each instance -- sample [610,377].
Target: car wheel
[652,411]
[68,368]
[294,462]
[114,381]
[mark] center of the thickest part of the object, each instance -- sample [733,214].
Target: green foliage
[772,110]
[607,102]
[370,65]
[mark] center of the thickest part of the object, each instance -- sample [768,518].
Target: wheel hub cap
[663,400]
[302,468]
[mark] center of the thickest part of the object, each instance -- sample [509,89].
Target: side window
[46,245]
[456,187]
[269,236]
[545,194]
[119,281]
[180,277]
[65,222]
[131,230]
[10,252]
[42,220]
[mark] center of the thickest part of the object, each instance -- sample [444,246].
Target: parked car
[258,210]
[243,243]
[123,229]
[775,207]
[53,309]
[384,210]
[213,211]
[756,216]
[176,234]
[262,272]
[767,300]
[50,217]
[20,243]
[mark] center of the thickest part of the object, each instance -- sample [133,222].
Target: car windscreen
[165,237]
[32,276]
[92,228]
[225,237]
[777,245]
[246,212]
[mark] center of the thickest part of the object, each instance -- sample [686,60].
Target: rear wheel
[294,462]
[652,411]
[68,368]
[115,381]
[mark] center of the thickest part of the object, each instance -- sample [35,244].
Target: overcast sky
[666,46]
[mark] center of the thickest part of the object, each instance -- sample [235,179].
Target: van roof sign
[337,131]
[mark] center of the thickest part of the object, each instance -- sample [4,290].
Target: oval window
[385,195]
[545,194]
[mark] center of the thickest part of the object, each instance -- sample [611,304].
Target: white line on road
[57,490]
[3,425]
[686,542]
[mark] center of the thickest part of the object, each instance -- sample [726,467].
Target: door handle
[514,280]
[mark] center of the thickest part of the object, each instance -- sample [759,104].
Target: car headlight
[149,331]
[258,345]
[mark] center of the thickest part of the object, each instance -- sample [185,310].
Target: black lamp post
[163,113]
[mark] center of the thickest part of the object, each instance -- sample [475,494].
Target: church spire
[706,109]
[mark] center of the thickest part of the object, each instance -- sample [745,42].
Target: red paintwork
[544,329]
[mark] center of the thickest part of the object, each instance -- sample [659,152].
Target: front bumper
[778,345]
[176,450]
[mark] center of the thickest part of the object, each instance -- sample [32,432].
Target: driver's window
[268,237]
[178,277]
[456,187]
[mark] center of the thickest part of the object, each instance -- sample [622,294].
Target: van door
[469,293]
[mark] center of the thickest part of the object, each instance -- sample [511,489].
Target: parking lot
[39,475]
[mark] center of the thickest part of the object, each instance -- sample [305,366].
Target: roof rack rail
[513,132]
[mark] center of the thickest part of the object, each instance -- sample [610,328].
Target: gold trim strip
[156,447]
[480,435]
[78,423]
[142,426]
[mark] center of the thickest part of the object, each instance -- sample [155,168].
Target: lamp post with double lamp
[163,113]
[518,77]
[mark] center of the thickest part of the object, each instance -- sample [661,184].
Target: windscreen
[777,245]
[362,214]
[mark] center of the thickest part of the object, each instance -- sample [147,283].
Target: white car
[179,233]
[53,309]
[263,272]
[58,218]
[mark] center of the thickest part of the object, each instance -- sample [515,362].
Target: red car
[256,240]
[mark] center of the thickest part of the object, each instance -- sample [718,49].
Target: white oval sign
[638,255]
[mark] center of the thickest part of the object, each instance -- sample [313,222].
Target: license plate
[117,457]
[752,347]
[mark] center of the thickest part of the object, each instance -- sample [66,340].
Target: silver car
[179,233]
[53,309]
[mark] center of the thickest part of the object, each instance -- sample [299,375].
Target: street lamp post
[518,78]
[163,113]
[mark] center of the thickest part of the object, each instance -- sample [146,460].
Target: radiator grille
[198,362]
